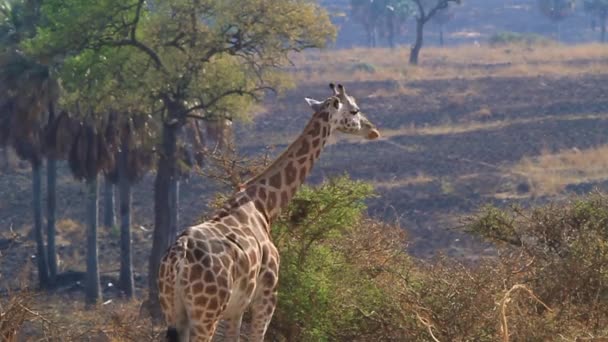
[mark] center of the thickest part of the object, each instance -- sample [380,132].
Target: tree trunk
[415,51]
[125,281]
[109,217]
[92,287]
[43,276]
[51,209]
[391,30]
[165,176]
[174,212]
[441,35]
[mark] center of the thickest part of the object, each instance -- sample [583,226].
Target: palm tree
[134,158]
[31,91]
[30,94]
[90,154]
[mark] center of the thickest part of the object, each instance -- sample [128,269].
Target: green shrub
[508,38]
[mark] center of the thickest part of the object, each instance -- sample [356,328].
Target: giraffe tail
[172,335]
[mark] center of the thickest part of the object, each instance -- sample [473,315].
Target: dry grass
[397,183]
[468,61]
[549,173]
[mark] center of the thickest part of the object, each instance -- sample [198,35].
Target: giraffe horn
[341,90]
[332,86]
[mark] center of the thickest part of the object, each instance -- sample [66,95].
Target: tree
[134,158]
[177,57]
[557,11]
[599,9]
[426,9]
[90,155]
[29,92]
[441,18]
[381,17]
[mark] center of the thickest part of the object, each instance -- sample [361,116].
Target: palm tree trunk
[51,209]
[43,276]
[92,287]
[174,205]
[165,177]
[109,217]
[125,281]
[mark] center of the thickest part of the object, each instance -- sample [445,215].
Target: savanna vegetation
[129,109]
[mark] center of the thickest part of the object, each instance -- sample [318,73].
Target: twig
[428,325]
[503,308]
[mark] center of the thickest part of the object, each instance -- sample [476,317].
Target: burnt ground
[464,170]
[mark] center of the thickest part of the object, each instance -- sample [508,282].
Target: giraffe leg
[233,329]
[262,310]
[203,327]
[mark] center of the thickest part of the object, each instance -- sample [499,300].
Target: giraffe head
[345,114]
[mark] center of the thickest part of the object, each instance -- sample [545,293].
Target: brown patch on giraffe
[251,190]
[324,116]
[317,154]
[213,304]
[222,281]
[208,277]
[201,301]
[222,294]
[198,254]
[302,160]
[272,264]
[262,194]
[196,272]
[211,289]
[216,246]
[226,261]
[290,173]
[223,229]
[272,200]
[197,234]
[241,216]
[265,255]
[275,180]
[268,279]
[269,310]
[316,129]
[324,132]
[198,287]
[206,262]
[316,142]
[284,198]
[230,221]
[304,148]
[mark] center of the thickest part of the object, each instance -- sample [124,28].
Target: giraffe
[218,269]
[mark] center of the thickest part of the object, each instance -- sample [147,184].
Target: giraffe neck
[272,190]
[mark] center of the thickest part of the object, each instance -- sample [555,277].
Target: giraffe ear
[314,104]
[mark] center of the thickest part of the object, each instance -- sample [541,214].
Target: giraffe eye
[354,112]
